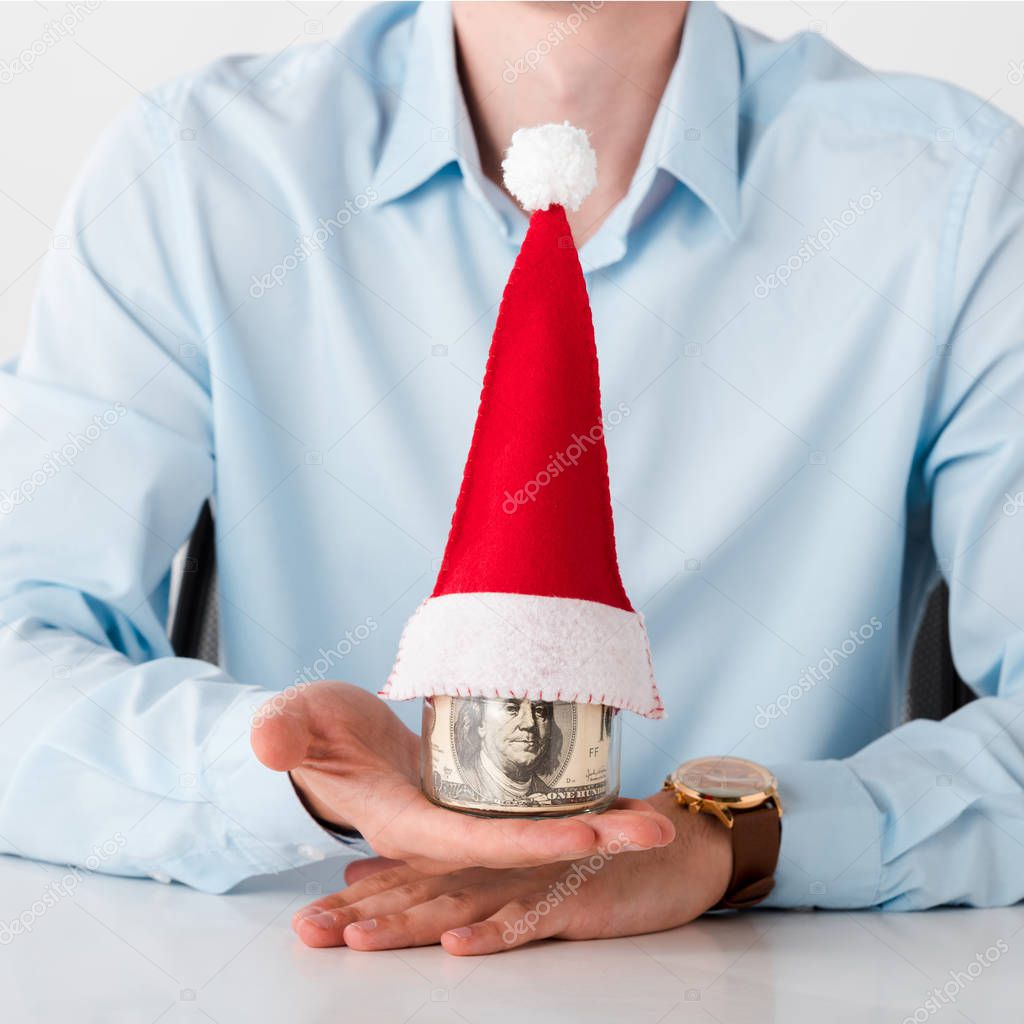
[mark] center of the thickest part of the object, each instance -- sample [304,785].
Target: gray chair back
[194,629]
[935,689]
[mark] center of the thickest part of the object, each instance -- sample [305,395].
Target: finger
[403,880]
[633,825]
[280,734]
[357,870]
[470,841]
[665,822]
[326,926]
[522,920]
[424,923]
[378,882]
[509,842]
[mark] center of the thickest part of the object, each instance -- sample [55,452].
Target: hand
[389,906]
[356,765]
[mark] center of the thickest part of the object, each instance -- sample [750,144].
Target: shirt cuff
[831,852]
[266,822]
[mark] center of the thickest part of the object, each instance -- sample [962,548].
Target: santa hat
[529,602]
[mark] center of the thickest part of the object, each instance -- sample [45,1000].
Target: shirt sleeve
[933,812]
[115,754]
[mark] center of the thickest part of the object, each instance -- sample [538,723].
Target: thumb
[280,735]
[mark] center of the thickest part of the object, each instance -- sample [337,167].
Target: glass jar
[505,756]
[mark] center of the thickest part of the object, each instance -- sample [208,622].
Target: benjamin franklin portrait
[507,747]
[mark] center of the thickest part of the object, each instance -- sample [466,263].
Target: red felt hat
[529,602]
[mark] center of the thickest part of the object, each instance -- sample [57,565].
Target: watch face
[724,778]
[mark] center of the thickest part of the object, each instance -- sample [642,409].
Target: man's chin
[521,766]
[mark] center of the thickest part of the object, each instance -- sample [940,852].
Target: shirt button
[311,852]
[161,876]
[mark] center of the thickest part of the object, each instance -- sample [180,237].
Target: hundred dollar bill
[510,756]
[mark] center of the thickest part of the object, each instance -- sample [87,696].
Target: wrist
[316,809]
[702,846]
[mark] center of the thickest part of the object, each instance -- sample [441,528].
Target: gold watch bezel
[698,801]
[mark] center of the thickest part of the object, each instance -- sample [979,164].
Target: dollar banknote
[510,756]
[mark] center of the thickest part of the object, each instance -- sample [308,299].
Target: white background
[51,114]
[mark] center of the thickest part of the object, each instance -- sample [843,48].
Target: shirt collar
[431,127]
[699,113]
[693,137]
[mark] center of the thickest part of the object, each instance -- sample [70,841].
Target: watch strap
[756,835]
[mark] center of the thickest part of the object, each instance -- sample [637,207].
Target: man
[504,746]
[806,283]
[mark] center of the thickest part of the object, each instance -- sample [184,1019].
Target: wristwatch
[744,797]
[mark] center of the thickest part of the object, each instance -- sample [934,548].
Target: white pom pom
[552,163]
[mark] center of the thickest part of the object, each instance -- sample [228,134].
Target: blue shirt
[275,285]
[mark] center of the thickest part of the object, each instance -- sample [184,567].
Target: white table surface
[121,950]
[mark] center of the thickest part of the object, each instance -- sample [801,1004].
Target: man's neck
[600,66]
